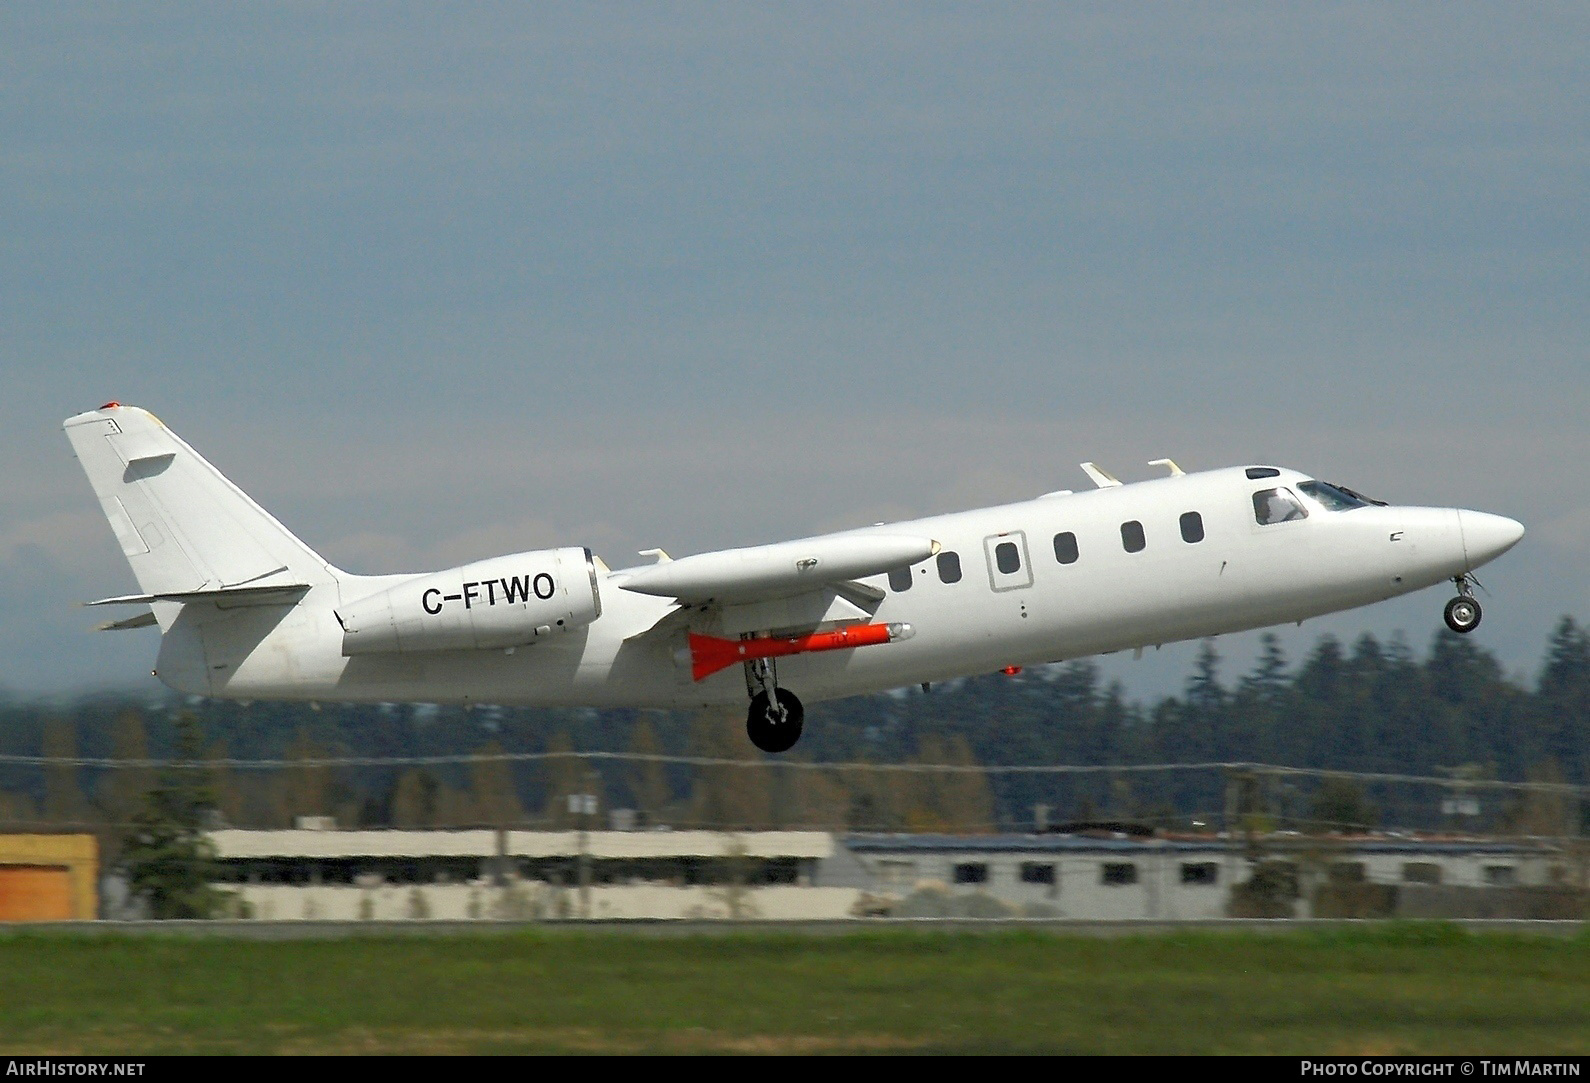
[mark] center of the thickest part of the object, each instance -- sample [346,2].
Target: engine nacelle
[502,602]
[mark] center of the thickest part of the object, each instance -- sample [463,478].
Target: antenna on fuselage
[1169,464]
[1102,478]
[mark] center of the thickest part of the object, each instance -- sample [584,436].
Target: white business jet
[247,611]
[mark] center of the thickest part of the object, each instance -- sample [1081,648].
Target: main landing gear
[774,720]
[1463,612]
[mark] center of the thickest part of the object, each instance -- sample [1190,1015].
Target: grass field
[1392,989]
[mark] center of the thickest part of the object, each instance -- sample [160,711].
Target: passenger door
[1009,563]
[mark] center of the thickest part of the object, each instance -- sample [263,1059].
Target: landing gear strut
[1463,612]
[774,721]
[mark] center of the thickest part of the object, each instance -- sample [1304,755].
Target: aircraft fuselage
[1055,578]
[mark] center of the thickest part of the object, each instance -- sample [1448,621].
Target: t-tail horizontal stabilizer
[280,594]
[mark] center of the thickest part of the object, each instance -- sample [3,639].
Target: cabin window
[1257,472]
[1271,506]
[1065,548]
[1007,558]
[1192,528]
[900,580]
[1132,536]
[950,567]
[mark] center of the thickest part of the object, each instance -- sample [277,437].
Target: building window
[949,567]
[1202,873]
[1501,875]
[971,872]
[1346,872]
[1007,558]
[1117,874]
[1036,872]
[1065,548]
[896,874]
[1421,872]
[1192,528]
[900,580]
[1132,536]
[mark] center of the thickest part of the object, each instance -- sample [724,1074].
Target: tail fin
[183,526]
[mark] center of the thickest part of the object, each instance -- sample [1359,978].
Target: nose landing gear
[1462,613]
[774,721]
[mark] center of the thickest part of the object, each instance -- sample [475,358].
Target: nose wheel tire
[775,727]
[1462,615]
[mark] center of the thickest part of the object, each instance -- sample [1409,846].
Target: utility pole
[583,805]
[1229,815]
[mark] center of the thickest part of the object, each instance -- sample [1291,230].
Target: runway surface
[339,930]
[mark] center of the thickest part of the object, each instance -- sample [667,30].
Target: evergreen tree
[224,787]
[414,802]
[122,789]
[648,780]
[170,862]
[566,775]
[1562,711]
[728,797]
[1340,805]
[307,790]
[63,797]
[496,802]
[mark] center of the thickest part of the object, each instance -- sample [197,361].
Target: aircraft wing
[799,584]
[766,572]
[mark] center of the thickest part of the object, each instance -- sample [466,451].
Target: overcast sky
[438,282]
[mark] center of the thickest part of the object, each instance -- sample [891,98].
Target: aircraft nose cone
[1486,536]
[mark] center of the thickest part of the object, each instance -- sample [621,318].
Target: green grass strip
[1429,989]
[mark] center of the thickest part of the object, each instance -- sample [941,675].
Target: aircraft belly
[1067,615]
[582,668]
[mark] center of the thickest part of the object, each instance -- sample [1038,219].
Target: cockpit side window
[1271,506]
[1334,497]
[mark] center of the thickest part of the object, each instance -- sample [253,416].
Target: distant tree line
[1370,707]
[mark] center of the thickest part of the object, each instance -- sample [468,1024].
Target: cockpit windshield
[1335,497]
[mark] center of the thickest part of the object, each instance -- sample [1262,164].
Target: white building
[1120,877]
[810,875]
[516,875]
